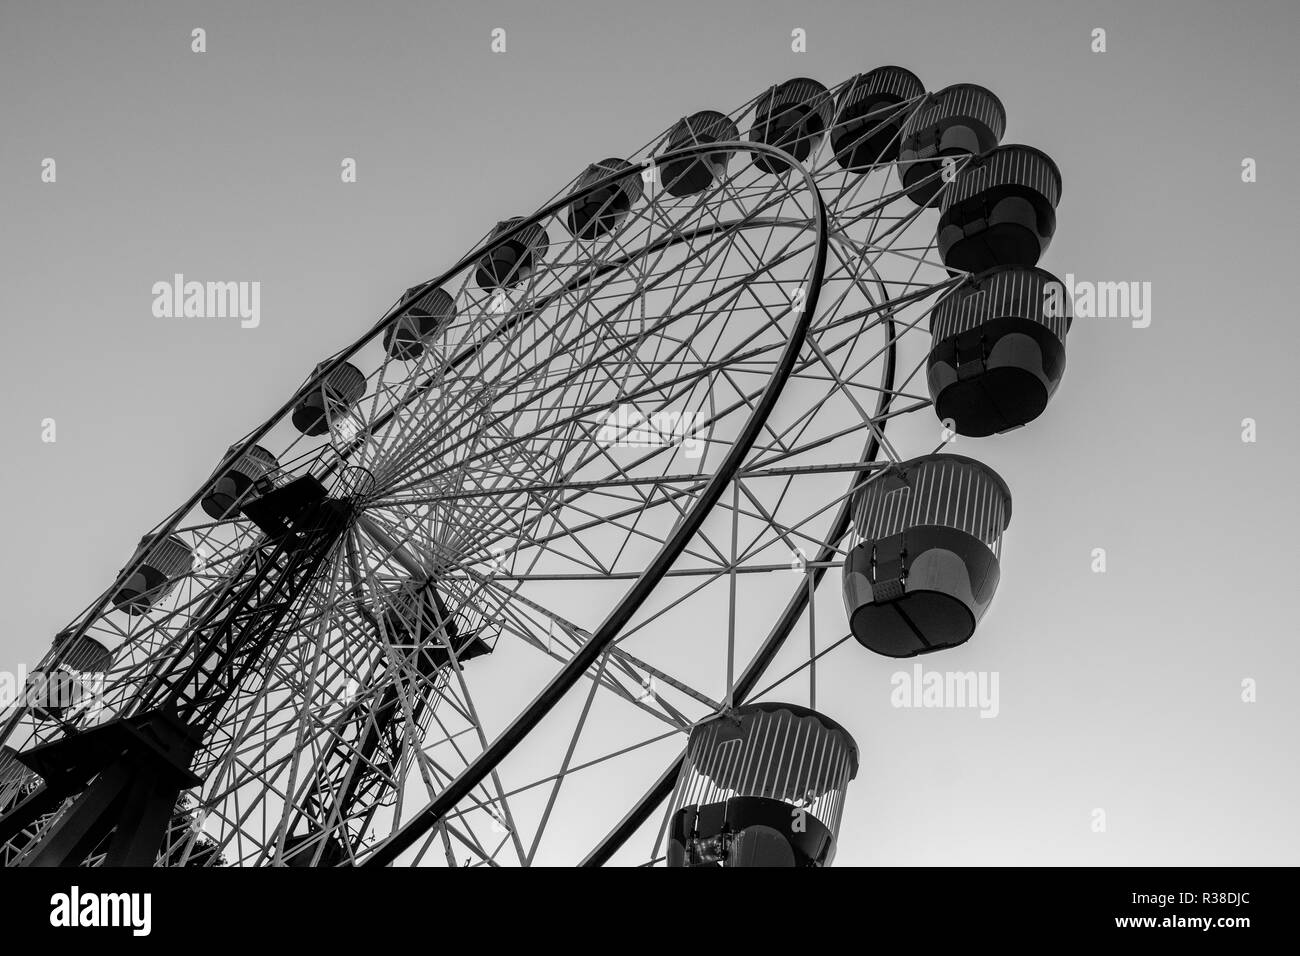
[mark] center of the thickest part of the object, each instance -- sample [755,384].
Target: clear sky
[1119,691]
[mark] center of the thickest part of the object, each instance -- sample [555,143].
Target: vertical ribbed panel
[631,185]
[254,464]
[86,655]
[532,237]
[958,102]
[706,126]
[170,556]
[892,81]
[346,383]
[780,752]
[945,490]
[1013,165]
[435,302]
[797,92]
[1001,293]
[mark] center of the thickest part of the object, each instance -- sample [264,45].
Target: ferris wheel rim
[662,788]
[777,453]
[401,840]
[753,422]
[322,371]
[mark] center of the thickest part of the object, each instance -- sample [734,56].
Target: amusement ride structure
[527,574]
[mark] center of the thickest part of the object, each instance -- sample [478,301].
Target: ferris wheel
[528,573]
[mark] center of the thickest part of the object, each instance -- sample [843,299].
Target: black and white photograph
[587,434]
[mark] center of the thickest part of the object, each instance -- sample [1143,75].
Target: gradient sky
[1119,691]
